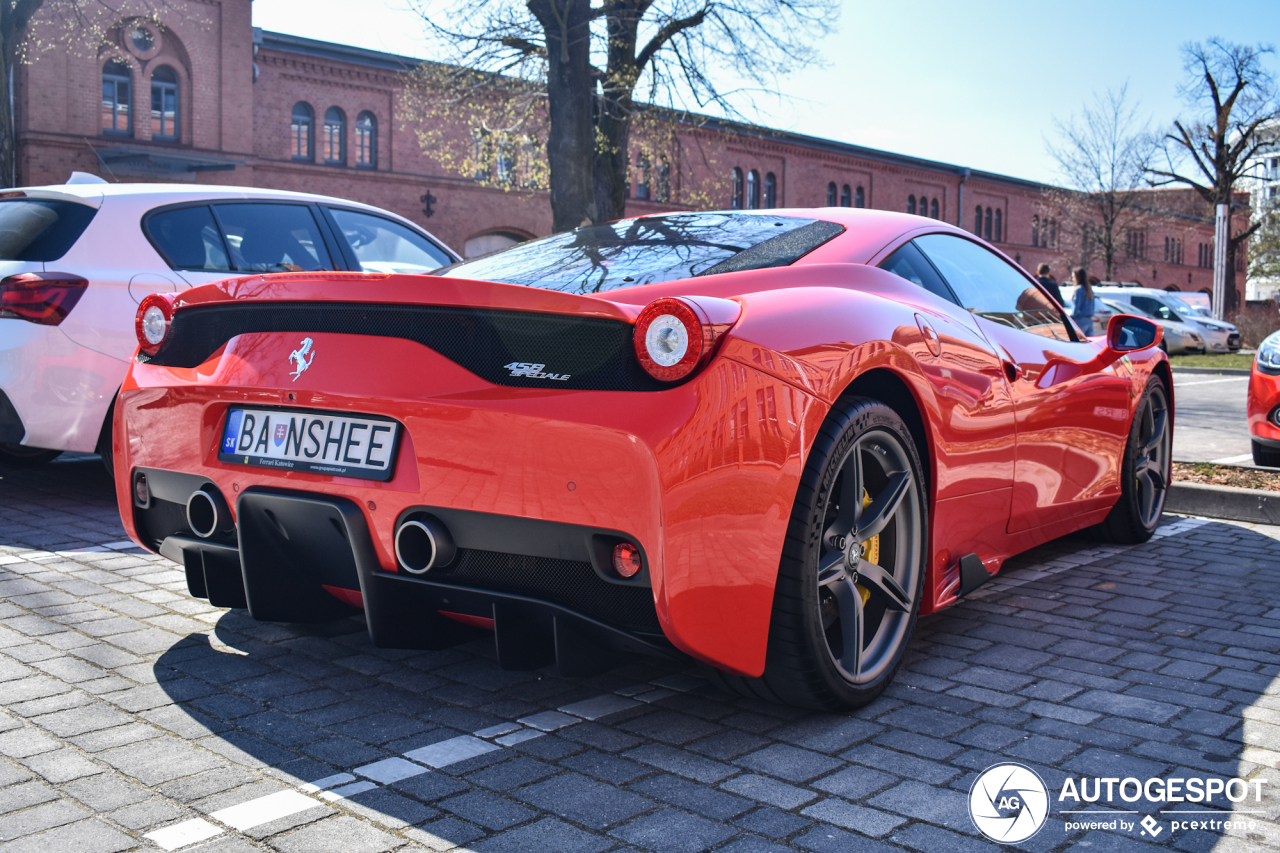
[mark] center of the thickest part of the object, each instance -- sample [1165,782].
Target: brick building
[208,98]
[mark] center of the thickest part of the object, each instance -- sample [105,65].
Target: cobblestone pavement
[133,716]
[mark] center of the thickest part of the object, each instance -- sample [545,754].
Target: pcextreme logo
[1008,803]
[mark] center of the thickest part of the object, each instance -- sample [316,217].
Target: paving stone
[704,800]
[545,836]
[788,762]
[487,810]
[672,830]
[866,821]
[769,791]
[583,800]
[340,834]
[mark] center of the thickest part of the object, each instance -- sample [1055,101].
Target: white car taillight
[675,335]
[152,324]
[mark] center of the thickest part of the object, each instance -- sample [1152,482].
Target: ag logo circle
[1008,803]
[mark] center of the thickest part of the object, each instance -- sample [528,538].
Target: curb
[1253,505]
[1225,371]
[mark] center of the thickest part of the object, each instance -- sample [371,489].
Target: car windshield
[650,249]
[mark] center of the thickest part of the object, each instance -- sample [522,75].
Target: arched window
[642,176]
[664,181]
[986,225]
[366,140]
[301,130]
[771,190]
[332,142]
[116,97]
[933,208]
[1053,233]
[753,190]
[860,197]
[736,201]
[1035,231]
[911,204]
[831,194]
[846,196]
[164,103]
[999,226]
[977,221]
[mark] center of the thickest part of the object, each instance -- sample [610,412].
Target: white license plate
[319,442]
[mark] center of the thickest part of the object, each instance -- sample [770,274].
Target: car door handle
[1011,370]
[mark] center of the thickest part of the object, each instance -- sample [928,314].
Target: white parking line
[450,751]
[182,834]
[1177,384]
[1231,460]
[264,810]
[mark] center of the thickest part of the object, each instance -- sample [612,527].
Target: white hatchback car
[76,259]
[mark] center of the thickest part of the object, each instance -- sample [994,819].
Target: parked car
[1219,336]
[77,259]
[1263,405]
[1179,338]
[766,440]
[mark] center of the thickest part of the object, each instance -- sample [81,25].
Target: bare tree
[592,61]
[1103,154]
[1237,98]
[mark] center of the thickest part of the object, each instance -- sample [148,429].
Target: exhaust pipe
[423,543]
[207,512]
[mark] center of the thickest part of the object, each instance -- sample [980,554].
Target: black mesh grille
[568,583]
[595,353]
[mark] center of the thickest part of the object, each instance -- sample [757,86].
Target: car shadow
[1079,661]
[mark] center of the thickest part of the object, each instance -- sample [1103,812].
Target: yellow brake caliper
[871,551]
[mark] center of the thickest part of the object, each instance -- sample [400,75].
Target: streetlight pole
[1220,263]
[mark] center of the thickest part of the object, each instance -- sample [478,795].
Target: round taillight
[154,316]
[670,339]
[626,560]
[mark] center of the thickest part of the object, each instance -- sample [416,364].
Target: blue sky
[972,82]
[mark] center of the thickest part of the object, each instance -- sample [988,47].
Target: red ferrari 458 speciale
[767,440]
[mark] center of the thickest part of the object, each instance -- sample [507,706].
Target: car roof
[174,192]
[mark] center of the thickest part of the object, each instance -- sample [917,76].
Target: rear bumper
[306,558]
[59,391]
[703,488]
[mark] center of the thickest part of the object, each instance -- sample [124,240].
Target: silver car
[1219,336]
[1179,337]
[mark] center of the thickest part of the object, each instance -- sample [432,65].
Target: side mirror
[1126,333]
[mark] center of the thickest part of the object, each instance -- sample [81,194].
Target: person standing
[1046,281]
[1083,303]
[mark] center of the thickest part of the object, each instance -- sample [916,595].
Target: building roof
[394,62]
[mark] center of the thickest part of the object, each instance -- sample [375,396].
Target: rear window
[649,250]
[240,237]
[41,230]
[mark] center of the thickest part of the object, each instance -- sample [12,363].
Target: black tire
[1145,471]
[1267,457]
[104,448]
[21,456]
[808,662]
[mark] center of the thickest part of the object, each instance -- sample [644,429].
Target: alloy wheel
[1151,464]
[869,561]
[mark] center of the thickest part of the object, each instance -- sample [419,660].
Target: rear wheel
[21,456]
[1144,472]
[1268,457]
[852,569]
